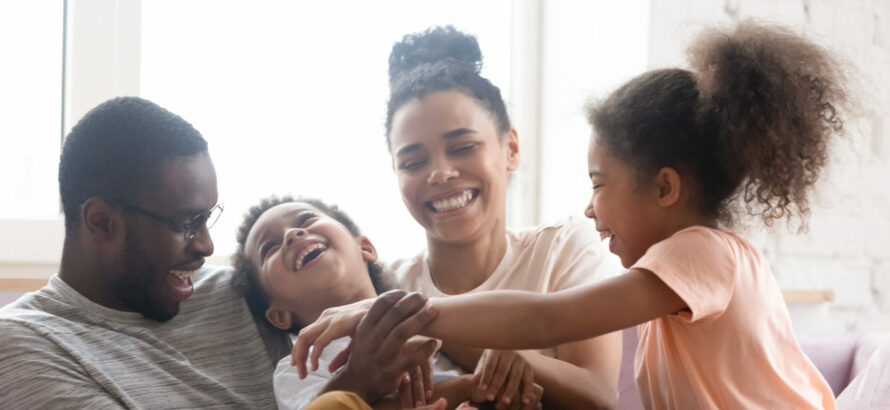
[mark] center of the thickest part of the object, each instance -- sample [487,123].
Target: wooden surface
[808,296]
[21,284]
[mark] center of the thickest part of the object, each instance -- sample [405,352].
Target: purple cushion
[832,355]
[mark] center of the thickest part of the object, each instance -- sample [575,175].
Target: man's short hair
[117,149]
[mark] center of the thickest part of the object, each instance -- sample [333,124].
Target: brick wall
[847,248]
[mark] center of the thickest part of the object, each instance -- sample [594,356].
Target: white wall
[847,249]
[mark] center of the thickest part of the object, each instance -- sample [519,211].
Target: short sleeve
[579,256]
[30,363]
[699,265]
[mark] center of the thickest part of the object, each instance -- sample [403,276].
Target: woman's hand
[506,378]
[396,306]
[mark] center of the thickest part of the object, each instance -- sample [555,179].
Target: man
[132,319]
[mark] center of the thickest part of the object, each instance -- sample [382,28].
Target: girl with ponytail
[675,157]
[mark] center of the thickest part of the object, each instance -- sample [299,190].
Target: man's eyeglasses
[189,228]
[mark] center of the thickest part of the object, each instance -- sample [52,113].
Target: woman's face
[308,261]
[452,165]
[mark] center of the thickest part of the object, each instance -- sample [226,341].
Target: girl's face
[308,261]
[624,213]
[452,166]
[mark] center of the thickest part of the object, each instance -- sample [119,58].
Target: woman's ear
[279,318]
[668,186]
[369,252]
[512,145]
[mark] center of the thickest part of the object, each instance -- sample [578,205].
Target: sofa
[839,357]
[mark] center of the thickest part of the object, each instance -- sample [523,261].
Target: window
[31,37]
[291,96]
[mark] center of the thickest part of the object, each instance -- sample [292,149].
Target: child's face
[624,212]
[452,165]
[308,261]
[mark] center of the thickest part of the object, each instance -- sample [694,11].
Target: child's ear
[512,145]
[279,318]
[369,252]
[668,185]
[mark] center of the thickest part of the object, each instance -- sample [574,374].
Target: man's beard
[139,283]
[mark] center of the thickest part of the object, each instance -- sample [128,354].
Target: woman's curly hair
[753,120]
[441,59]
[246,277]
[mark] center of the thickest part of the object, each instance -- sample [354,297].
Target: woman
[453,149]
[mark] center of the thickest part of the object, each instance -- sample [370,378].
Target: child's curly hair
[754,120]
[246,276]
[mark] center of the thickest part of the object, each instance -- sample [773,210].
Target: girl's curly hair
[753,120]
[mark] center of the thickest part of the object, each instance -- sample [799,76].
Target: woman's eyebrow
[458,132]
[408,149]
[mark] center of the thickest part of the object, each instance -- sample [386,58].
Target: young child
[297,258]
[671,151]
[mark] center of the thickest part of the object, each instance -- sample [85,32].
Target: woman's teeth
[452,203]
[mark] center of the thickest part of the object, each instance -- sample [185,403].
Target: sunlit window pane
[291,96]
[31,106]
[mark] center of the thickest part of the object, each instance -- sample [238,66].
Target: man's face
[156,260]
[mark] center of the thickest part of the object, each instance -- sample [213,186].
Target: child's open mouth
[309,254]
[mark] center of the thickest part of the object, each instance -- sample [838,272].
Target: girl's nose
[588,212]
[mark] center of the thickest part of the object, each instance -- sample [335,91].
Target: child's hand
[341,321]
[505,377]
[380,355]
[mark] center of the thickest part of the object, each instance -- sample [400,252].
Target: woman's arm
[526,320]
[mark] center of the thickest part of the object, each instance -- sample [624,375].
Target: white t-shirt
[541,259]
[871,388]
[61,350]
[291,393]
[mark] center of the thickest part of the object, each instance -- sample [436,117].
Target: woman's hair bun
[437,44]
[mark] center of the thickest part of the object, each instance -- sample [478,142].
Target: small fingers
[417,386]
[340,359]
[510,394]
[300,352]
[498,379]
[406,398]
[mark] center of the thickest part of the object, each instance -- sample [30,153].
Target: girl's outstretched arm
[526,320]
[506,319]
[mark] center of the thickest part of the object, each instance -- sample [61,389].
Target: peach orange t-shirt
[734,348]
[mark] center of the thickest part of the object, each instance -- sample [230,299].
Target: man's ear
[100,220]
[512,145]
[279,318]
[369,252]
[668,186]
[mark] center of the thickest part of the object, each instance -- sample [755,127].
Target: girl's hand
[381,355]
[337,322]
[505,377]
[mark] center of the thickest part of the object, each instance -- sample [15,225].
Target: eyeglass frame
[189,229]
